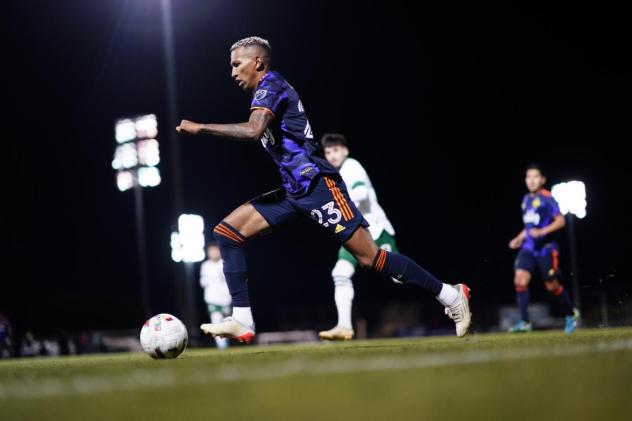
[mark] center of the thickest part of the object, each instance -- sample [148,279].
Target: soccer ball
[163,336]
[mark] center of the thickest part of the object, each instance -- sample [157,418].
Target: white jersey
[362,193]
[214,283]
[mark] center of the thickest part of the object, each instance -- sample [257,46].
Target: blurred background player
[7,347]
[312,188]
[363,195]
[216,294]
[541,216]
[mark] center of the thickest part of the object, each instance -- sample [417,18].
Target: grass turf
[537,376]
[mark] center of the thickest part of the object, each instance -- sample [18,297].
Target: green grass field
[539,376]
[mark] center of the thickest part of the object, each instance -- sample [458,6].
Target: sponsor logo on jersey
[267,137]
[340,228]
[531,217]
[306,170]
[308,131]
[536,202]
[260,94]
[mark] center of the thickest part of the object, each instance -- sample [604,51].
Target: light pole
[136,157]
[571,196]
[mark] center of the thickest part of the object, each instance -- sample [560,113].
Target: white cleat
[460,310]
[229,328]
[337,333]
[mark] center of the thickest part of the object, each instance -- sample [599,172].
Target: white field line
[42,387]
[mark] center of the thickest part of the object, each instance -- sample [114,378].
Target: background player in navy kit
[541,216]
[312,188]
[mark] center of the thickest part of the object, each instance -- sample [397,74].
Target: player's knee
[342,272]
[365,261]
[225,234]
[521,280]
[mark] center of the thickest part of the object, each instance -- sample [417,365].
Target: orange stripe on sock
[232,234]
[225,234]
[220,229]
[384,255]
[381,260]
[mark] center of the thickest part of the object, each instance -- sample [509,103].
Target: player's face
[336,155]
[534,180]
[213,253]
[245,64]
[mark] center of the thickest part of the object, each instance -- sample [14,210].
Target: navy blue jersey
[289,138]
[538,211]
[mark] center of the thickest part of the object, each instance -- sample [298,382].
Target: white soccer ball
[163,336]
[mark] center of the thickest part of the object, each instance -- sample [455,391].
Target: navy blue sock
[231,244]
[564,299]
[404,269]
[522,296]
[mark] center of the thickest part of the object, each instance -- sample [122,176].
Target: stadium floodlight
[136,157]
[125,130]
[148,152]
[148,176]
[571,196]
[124,180]
[146,126]
[125,157]
[137,152]
[187,245]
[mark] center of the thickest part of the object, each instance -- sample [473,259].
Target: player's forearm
[521,235]
[558,223]
[244,132]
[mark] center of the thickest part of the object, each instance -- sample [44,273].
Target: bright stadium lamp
[187,245]
[148,177]
[571,197]
[124,180]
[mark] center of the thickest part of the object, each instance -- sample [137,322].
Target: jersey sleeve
[554,207]
[269,96]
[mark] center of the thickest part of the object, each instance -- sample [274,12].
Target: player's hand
[537,232]
[189,127]
[515,243]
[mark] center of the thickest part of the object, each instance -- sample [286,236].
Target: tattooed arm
[250,131]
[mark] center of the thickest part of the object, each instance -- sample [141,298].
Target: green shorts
[385,241]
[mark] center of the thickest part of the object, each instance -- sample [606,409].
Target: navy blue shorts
[327,203]
[546,260]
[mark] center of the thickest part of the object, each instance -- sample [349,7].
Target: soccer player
[216,294]
[363,195]
[312,188]
[541,216]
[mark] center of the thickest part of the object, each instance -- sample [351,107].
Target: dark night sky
[444,107]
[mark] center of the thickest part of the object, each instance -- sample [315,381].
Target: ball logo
[260,94]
